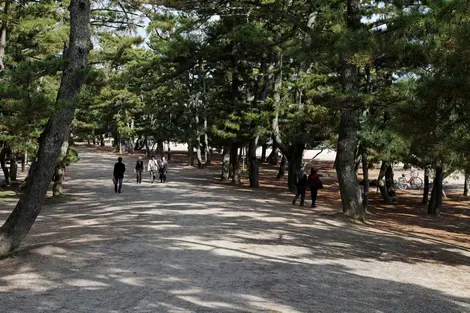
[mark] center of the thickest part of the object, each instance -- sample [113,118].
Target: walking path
[193,246]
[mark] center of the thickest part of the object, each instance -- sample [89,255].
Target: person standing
[163,168]
[118,175]
[152,167]
[314,182]
[301,187]
[139,168]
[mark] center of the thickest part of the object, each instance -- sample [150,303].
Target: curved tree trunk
[254,166]
[55,133]
[365,174]
[226,164]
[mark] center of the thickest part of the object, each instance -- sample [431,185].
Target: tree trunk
[263,152]
[426,185]
[294,159]
[365,174]
[272,158]
[55,133]
[253,163]
[3,162]
[349,126]
[435,205]
[234,161]
[3,34]
[466,187]
[390,181]
[226,164]
[169,151]
[23,161]
[282,168]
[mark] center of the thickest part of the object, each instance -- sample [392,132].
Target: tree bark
[160,148]
[60,171]
[234,161]
[365,174]
[253,163]
[282,168]
[466,187]
[435,205]
[226,164]
[272,158]
[190,154]
[169,151]
[102,144]
[383,184]
[55,133]
[13,167]
[426,185]
[349,126]
[3,34]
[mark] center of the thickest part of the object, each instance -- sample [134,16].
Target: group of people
[154,166]
[313,181]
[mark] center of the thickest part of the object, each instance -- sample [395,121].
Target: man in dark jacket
[118,175]
[301,187]
[139,168]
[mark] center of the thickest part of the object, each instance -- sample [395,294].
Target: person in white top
[152,167]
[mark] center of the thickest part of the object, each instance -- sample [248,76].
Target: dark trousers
[118,185]
[162,176]
[301,193]
[314,192]
[139,176]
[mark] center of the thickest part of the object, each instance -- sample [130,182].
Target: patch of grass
[7,194]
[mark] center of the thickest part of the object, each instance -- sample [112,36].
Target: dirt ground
[196,245]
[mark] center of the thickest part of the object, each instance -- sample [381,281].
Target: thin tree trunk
[3,34]
[190,154]
[55,133]
[435,205]
[169,151]
[426,185]
[282,168]
[59,171]
[13,167]
[23,162]
[272,158]
[225,164]
[349,126]
[466,187]
[365,174]
[390,181]
[234,161]
[253,167]
[147,147]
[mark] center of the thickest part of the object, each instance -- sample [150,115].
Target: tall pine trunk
[435,205]
[253,163]
[225,164]
[349,126]
[190,154]
[3,162]
[466,187]
[264,147]
[282,168]
[102,144]
[55,133]
[426,185]
[160,148]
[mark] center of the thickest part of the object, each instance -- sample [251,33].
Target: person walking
[152,167]
[139,168]
[118,175]
[163,168]
[301,187]
[314,182]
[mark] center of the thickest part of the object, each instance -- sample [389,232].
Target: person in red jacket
[314,182]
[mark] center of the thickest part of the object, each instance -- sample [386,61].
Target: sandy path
[191,246]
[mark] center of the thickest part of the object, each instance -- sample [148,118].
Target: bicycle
[415,182]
